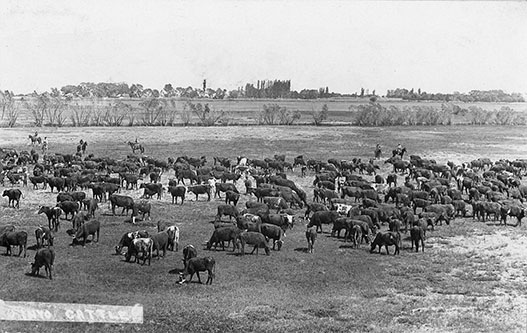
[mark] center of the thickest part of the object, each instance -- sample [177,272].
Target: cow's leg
[386,247]
[199,279]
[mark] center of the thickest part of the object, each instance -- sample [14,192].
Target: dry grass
[470,279]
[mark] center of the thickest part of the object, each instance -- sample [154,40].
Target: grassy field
[245,111]
[471,277]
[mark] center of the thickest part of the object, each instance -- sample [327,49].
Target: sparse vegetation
[320,116]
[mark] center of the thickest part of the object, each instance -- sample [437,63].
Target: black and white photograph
[263,166]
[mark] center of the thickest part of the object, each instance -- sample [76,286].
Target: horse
[401,152]
[35,139]
[136,146]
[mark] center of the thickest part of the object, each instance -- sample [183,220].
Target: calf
[253,238]
[14,196]
[386,239]
[273,232]
[196,265]
[173,238]
[69,207]
[53,215]
[177,192]
[189,252]
[43,257]
[311,236]
[10,238]
[89,228]
[417,234]
[44,235]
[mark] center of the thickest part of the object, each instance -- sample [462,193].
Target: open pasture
[471,277]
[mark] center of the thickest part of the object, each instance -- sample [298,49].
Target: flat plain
[471,277]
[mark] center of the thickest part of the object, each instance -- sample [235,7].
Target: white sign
[69,312]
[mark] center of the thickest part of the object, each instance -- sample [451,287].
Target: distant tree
[320,116]
[361,92]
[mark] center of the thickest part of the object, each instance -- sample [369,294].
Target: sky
[345,45]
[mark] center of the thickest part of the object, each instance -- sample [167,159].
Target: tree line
[472,96]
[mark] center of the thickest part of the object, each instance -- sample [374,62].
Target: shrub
[320,116]
[185,115]
[114,114]
[274,114]
[9,109]
[80,115]
[206,116]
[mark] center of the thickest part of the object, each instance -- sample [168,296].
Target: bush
[374,114]
[80,115]
[320,116]
[114,114]
[206,116]
[274,114]
[9,109]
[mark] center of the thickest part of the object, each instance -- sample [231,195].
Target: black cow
[78,220]
[90,205]
[153,188]
[61,197]
[196,265]
[10,238]
[323,217]
[253,238]
[14,196]
[224,187]
[44,235]
[200,189]
[142,207]
[69,207]
[117,200]
[273,232]
[228,210]
[417,234]
[386,239]
[224,234]
[89,228]
[43,257]
[177,192]
[53,215]
[161,242]
[56,182]
[35,180]
[232,197]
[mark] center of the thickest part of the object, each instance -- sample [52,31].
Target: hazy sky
[346,45]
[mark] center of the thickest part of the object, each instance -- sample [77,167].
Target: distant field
[471,277]
[245,112]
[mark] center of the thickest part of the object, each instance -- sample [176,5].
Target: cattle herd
[412,195]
